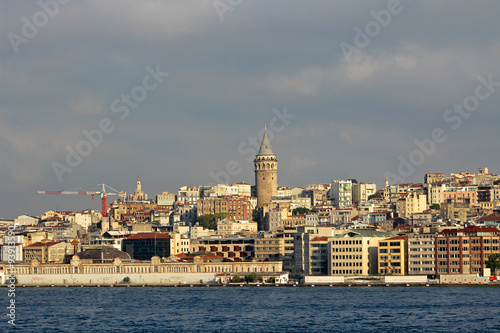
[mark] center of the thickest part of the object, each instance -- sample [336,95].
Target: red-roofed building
[492,219]
[206,256]
[465,251]
[47,251]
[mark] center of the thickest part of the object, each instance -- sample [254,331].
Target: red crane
[103,194]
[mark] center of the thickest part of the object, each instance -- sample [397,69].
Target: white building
[191,194]
[12,245]
[340,193]
[362,191]
[26,220]
[165,199]
[244,189]
[82,219]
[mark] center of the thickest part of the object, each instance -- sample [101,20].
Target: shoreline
[237,285]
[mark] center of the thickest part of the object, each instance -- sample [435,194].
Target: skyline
[230,71]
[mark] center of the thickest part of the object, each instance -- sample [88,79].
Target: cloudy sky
[348,87]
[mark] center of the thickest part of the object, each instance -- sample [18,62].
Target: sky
[177,93]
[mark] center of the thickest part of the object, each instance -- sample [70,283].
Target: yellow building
[230,227]
[269,248]
[179,244]
[47,251]
[392,256]
[355,253]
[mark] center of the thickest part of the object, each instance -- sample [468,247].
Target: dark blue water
[283,309]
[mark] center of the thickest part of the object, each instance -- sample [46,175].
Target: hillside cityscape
[444,229]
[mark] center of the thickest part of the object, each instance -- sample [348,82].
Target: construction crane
[103,194]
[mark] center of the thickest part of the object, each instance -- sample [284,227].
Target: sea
[253,309]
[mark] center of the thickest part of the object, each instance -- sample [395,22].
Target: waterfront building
[392,256]
[355,252]
[465,251]
[93,271]
[422,254]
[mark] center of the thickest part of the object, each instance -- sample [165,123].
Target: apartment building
[392,256]
[340,193]
[430,178]
[461,195]
[411,203]
[231,227]
[465,251]
[272,220]
[355,253]
[362,191]
[234,248]
[422,254]
[237,208]
[269,247]
[47,251]
[165,199]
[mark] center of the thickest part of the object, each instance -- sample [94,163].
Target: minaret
[266,172]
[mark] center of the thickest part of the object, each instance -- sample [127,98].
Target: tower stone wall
[266,172]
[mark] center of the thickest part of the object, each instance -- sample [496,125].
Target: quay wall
[114,278]
[406,279]
[463,279]
[323,279]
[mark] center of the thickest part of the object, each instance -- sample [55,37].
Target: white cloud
[87,104]
[411,64]
[156,20]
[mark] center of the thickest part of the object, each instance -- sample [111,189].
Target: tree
[256,214]
[376,195]
[237,279]
[493,263]
[252,277]
[11,280]
[209,221]
[435,206]
[300,210]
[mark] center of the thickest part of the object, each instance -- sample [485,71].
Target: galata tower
[266,172]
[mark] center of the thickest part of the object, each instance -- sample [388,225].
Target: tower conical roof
[265,146]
